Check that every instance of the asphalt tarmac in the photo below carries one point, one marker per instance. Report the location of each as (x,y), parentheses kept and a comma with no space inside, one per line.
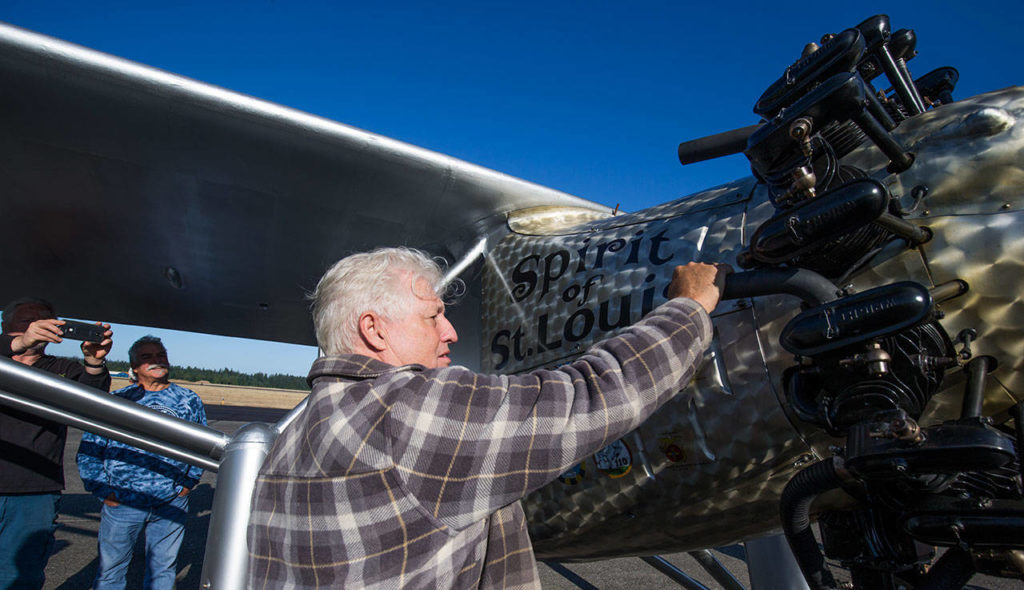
(73,564)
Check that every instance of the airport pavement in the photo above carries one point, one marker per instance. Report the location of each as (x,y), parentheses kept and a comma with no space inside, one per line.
(73,565)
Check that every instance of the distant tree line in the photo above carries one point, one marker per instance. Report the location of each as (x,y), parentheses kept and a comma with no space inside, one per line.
(226,376)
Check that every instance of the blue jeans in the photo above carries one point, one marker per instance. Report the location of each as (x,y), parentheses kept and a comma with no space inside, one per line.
(27,523)
(120,527)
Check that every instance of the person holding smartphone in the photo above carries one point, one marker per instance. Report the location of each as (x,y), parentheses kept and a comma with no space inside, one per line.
(32,457)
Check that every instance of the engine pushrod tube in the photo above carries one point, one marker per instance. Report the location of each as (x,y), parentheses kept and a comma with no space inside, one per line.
(69,402)
(949,290)
(806,284)
(900,160)
(914,234)
(901,81)
(974,391)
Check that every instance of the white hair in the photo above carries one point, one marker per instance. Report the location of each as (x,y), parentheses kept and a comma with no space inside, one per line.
(369,281)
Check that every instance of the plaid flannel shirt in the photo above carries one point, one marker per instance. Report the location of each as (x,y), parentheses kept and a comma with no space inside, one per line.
(403,477)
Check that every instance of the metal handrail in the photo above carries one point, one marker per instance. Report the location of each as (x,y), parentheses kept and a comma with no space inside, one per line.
(68,402)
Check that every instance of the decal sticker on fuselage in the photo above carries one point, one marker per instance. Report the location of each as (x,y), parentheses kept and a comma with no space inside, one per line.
(615,460)
(575,474)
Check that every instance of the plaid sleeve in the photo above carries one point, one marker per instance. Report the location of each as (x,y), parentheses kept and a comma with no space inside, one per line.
(471,443)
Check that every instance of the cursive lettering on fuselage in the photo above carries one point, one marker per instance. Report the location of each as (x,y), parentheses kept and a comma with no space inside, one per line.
(534,270)
(580,313)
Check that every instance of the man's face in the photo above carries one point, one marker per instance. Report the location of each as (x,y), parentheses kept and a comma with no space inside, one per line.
(422,336)
(152,363)
(23,316)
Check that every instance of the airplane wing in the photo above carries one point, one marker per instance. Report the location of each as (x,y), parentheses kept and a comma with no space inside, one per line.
(133,195)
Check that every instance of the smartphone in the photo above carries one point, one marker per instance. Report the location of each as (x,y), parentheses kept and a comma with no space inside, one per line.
(82,331)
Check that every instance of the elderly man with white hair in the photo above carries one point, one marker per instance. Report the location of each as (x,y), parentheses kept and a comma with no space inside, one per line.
(405,471)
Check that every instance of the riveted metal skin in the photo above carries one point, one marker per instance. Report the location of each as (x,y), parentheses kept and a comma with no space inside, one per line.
(709,467)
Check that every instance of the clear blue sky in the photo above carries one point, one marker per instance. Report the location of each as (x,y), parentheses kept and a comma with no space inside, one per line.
(588,97)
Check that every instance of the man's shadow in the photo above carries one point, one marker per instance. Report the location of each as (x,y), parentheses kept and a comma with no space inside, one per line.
(190,557)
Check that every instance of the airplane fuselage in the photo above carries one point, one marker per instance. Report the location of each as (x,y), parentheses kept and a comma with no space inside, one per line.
(709,467)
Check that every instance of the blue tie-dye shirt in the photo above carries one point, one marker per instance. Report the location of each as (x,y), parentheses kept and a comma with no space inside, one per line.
(139,478)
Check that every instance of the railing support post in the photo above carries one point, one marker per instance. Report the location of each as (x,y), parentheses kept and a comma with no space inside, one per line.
(226,561)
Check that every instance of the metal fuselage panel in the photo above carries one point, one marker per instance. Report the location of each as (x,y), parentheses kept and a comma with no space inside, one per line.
(969,155)
(971,158)
(721,450)
(709,467)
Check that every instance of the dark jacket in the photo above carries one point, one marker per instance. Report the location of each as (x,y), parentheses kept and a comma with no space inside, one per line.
(32,448)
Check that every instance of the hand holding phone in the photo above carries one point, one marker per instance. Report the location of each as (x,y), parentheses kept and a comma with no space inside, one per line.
(86,332)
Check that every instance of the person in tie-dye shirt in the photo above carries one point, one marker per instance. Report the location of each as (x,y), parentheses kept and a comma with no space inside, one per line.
(141,490)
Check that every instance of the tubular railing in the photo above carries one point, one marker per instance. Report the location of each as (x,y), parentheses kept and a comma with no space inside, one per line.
(236,459)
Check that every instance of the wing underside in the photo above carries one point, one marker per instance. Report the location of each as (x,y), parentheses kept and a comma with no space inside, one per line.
(136,196)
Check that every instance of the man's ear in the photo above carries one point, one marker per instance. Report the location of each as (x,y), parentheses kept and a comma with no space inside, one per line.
(371,330)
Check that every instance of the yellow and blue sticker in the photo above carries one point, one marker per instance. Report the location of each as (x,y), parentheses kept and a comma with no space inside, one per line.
(575,474)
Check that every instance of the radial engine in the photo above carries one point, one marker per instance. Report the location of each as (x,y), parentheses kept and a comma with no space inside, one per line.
(866,364)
